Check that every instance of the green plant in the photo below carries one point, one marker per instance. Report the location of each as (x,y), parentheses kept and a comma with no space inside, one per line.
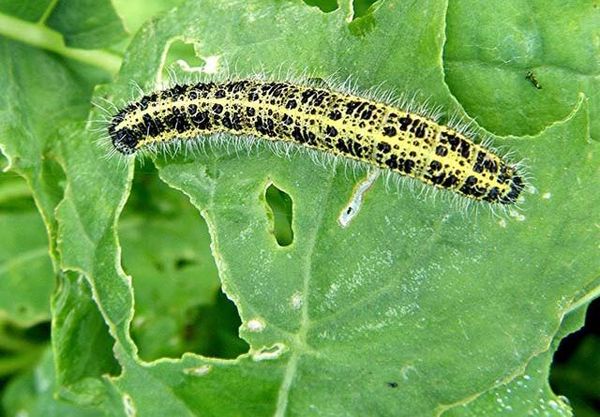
(415,309)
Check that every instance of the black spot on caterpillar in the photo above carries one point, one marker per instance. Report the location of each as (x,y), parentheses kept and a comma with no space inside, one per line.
(333,122)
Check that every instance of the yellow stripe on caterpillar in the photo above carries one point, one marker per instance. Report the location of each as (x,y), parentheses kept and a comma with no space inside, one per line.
(333,122)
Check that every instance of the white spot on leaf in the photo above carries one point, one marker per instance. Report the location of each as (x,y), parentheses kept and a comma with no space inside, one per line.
(407,370)
(256,325)
(198,370)
(269,353)
(516,215)
(296,301)
(129,406)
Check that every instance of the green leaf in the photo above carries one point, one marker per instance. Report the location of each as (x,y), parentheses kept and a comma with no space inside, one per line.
(135,12)
(40,95)
(33,115)
(420,312)
(26,276)
(81,343)
(87,24)
(29,10)
(529,392)
(415,308)
(32,394)
(527,69)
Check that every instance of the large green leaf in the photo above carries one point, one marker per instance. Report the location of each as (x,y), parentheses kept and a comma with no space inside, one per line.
(412,308)
(416,307)
(82,347)
(40,94)
(34,107)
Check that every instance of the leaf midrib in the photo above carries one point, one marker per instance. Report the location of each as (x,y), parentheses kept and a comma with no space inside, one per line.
(300,342)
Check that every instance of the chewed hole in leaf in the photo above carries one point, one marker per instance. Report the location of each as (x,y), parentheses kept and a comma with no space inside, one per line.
(180,58)
(166,249)
(572,372)
(326,6)
(39,333)
(15,194)
(363,20)
(213,329)
(20,348)
(361,7)
(280,211)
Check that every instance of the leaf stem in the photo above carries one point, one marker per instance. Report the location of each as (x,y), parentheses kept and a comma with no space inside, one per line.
(42,37)
(587,298)
(47,12)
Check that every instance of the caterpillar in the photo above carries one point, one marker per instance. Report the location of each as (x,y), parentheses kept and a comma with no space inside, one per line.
(333,122)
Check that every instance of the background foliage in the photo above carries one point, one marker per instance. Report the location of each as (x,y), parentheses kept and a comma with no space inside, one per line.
(415,309)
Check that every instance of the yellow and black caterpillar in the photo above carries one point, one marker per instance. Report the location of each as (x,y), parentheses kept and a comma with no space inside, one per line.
(337,123)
